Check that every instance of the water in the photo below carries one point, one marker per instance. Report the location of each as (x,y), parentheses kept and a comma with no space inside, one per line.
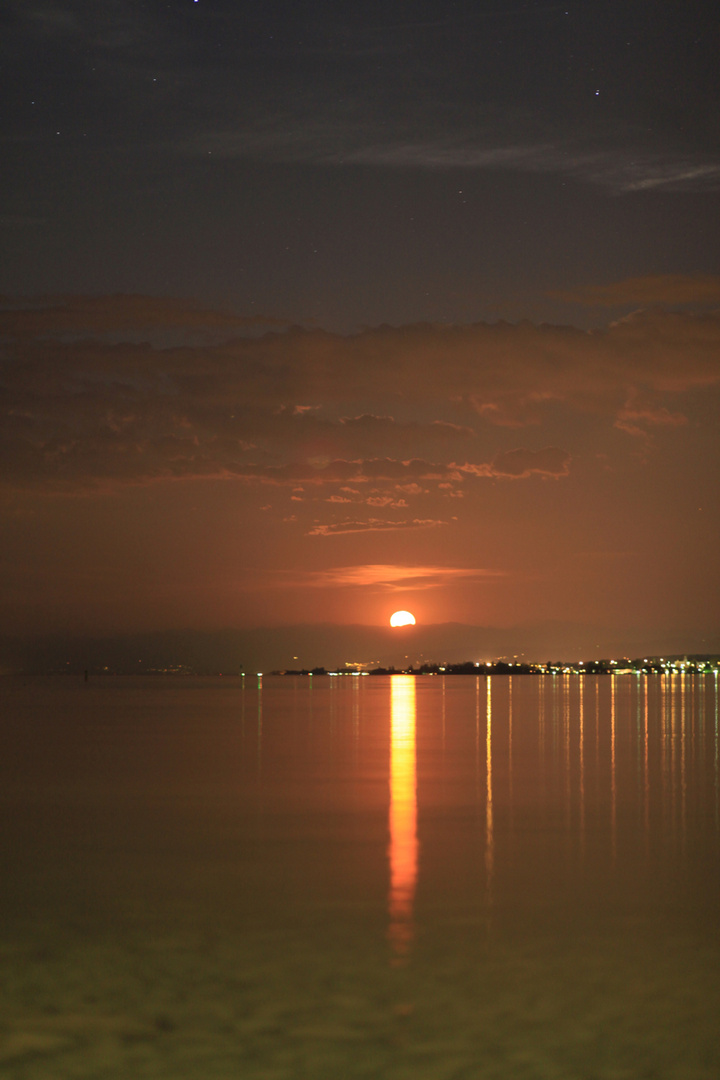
(360,877)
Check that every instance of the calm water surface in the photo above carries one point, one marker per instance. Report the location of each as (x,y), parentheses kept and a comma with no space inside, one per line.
(360,877)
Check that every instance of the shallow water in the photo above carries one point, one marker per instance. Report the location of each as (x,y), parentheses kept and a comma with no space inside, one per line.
(360,877)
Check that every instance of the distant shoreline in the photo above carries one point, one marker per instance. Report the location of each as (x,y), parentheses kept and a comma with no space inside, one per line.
(690,664)
(693,664)
(687,665)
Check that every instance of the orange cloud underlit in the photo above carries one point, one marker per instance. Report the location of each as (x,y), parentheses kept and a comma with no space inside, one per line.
(394,577)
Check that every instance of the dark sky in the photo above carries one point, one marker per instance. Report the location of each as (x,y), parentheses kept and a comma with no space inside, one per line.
(314,310)
(358,163)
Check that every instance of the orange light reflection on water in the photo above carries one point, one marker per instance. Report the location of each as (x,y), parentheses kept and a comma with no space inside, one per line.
(403,848)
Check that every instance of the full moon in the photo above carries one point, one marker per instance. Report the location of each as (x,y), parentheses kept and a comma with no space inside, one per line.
(402,618)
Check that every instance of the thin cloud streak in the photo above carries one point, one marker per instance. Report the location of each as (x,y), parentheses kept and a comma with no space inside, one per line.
(372,525)
(393,578)
(670,289)
(522,463)
(342,142)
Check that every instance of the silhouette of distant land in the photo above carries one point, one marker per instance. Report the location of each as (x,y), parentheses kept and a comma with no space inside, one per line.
(341,650)
(688,664)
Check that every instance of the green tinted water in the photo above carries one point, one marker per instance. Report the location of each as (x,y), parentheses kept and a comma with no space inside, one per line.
(360,877)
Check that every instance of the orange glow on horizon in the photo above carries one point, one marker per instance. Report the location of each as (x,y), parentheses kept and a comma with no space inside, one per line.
(403,849)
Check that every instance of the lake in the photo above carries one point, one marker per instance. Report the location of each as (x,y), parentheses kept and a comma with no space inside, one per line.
(392,877)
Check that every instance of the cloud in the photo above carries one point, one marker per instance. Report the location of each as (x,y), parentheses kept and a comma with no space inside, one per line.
(518,464)
(107,28)
(385,500)
(276,408)
(340,471)
(653,289)
(377,426)
(372,525)
(523,463)
(88,316)
(327,136)
(393,577)
(637,416)
(51,19)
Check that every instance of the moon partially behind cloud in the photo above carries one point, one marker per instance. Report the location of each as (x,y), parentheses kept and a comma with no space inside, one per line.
(402,618)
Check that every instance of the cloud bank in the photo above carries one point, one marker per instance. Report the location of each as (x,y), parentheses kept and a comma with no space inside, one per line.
(353,427)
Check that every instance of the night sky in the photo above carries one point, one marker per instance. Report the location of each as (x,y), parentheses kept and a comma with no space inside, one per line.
(312,311)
